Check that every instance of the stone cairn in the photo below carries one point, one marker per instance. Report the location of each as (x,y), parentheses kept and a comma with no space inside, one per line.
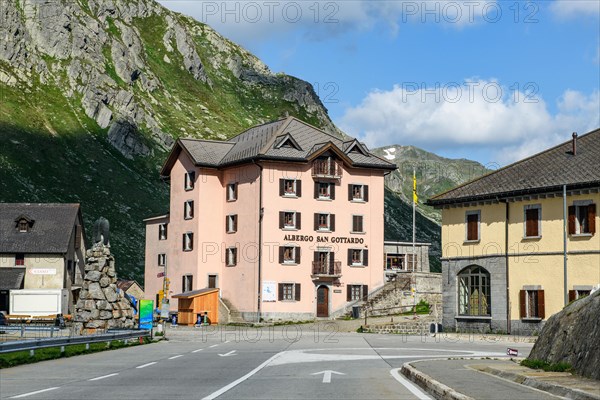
(101,306)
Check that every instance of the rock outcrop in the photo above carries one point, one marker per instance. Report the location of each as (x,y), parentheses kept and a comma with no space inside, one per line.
(101,305)
(573,336)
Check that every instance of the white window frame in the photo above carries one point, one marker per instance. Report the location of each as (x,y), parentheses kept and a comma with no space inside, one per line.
(293,259)
(328,227)
(467,214)
(292,291)
(285,224)
(187,286)
(231,260)
(578,204)
(188,181)
(294,192)
(360,262)
(162,231)
(189,241)
(532,207)
(362,192)
(188,210)
(231,191)
(231,224)
(328,196)
(352,293)
(162,260)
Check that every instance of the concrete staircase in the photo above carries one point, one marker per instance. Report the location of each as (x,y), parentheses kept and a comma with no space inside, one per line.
(235,317)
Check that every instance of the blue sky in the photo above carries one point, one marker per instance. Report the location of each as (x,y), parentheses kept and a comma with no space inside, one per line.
(493,81)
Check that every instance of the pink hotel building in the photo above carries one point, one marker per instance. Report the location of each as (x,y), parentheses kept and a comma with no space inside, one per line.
(285,219)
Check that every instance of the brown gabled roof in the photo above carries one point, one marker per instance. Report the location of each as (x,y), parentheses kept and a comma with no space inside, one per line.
(261,142)
(50,232)
(544,172)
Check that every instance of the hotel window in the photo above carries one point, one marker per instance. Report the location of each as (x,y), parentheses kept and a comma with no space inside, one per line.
(162,232)
(394,261)
(474,292)
(187,283)
(232,192)
(188,209)
(289,255)
(358,192)
(189,179)
(290,187)
(162,259)
(188,241)
(357,292)
(23,226)
(289,292)
(289,220)
(19,259)
(473,219)
(582,218)
(324,191)
(357,224)
(231,223)
(532,304)
(358,257)
(533,217)
(325,222)
(231,256)
(579,293)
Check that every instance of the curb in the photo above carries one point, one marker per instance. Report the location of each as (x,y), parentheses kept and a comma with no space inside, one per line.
(430,385)
(552,388)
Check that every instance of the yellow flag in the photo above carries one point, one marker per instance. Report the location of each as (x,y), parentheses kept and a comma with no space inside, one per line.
(415,197)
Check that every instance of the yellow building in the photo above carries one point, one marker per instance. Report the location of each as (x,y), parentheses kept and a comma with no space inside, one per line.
(515,249)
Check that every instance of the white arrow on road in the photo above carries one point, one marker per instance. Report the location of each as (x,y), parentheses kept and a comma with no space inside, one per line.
(228,354)
(327,375)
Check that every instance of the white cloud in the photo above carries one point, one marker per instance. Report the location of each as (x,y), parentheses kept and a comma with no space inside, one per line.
(480,114)
(575,8)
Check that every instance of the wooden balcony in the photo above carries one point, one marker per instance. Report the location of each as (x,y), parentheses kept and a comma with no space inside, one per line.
(329,169)
(323,270)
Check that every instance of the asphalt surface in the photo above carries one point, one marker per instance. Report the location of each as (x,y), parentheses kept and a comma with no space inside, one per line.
(293,362)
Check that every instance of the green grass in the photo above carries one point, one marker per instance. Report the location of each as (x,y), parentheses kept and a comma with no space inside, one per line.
(546,366)
(51,353)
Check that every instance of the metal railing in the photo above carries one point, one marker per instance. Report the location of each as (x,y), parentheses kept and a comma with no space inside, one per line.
(327,269)
(40,343)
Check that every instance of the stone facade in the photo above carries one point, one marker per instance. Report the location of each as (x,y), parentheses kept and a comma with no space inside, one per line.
(496,322)
(101,305)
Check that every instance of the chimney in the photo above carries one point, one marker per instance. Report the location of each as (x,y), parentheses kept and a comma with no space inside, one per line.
(574,143)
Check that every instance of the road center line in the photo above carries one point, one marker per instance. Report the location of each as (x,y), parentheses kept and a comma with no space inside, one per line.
(32,393)
(146,365)
(102,377)
(233,384)
(195,351)
(407,384)
(174,357)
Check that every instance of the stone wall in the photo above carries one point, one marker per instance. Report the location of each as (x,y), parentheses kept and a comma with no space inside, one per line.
(101,305)
(403,327)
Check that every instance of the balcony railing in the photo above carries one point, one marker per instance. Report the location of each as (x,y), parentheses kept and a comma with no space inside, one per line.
(327,169)
(327,269)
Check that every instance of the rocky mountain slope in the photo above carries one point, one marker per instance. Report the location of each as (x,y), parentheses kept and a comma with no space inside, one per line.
(435,174)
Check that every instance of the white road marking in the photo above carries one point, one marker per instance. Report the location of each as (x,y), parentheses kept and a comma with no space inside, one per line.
(231,353)
(146,365)
(228,341)
(174,357)
(233,384)
(195,351)
(409,385)
(214,345)
(102,377)
(327,375)
(32,393)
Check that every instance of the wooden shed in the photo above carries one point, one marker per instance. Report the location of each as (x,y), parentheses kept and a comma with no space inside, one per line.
(198,302)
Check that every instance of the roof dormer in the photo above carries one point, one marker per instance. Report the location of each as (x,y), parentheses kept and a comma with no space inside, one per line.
(354,146)
(23,223)
(287,141)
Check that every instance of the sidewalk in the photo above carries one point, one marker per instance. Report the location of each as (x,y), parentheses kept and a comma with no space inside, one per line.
(496,379)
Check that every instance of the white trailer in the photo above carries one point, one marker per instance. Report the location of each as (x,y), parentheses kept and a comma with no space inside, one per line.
(36,302)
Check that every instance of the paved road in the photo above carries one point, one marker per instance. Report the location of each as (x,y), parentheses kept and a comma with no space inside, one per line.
(293,362)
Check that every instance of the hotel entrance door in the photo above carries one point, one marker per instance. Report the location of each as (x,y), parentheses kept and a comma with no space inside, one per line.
(323,301)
